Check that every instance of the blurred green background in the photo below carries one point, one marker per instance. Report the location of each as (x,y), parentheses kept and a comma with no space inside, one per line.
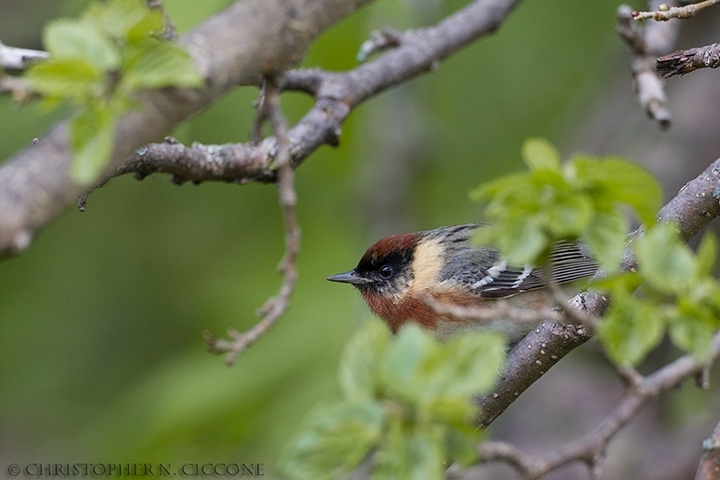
(101,353)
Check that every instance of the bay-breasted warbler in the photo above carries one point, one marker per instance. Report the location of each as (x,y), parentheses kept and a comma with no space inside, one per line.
(397,275)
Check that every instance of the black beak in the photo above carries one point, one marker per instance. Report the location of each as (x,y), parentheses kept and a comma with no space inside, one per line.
(351,277)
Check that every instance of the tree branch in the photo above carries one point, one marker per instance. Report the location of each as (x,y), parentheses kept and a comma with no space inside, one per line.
(691,209)
(590,447)
(686,61)
(528,360)
(646,44)
(249,39)
(663,13)
(13,58)
(336,94)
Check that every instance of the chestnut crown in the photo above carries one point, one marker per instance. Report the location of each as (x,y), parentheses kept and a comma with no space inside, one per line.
(385,266)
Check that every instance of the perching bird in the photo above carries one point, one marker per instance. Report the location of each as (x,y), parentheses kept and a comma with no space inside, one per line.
(397,273)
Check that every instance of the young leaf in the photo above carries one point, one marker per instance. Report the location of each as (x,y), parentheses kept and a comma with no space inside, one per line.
(692,334)
(401,369)
(151,24)
(71,78)
(523,241)
(466,365)
(620,180)
(119,17)
(605,236)
(91,138)
(666,263)
(505,187)
(462,445)
(410,454)
(539,154)
(705,256)
(359,363)
(333,440)
(73,40)
(569,215)
(630,329)
(152,63)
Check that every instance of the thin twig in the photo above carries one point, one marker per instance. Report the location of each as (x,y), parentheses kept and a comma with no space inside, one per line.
(379,40)
(13,58)
(665,12)
(169,33)
(630,377)
(276,306)
(590,447)
(686,61)
(646,44)
(17,87)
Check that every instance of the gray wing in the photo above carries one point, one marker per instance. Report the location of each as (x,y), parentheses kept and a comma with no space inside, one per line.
(568,262)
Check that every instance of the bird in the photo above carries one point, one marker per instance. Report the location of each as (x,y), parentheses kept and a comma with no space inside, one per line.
(397,275)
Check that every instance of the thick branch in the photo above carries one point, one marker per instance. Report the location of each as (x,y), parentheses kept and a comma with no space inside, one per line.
(237,46)
(696,203)
(534,355)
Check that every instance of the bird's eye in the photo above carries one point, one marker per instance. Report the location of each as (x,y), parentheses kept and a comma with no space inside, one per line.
(386,271)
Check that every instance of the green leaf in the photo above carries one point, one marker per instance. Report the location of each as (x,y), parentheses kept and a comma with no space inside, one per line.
(523,241)
(630,329)
(705,256)
(465,366)
(152,63)
(417,454)
(515,182)
(74,78)
(692,334)
(91,138)
(569,215)
(462,445)
(333,440)
(539,154)
(620,180)
(666,263)
(606,235)
(120,17)
(359,363)
(542,179)
(401,369)
(618,283)
(70,39)
(151,24)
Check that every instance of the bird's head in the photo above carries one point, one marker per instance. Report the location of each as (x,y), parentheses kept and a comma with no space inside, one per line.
(396,271)
(385,270)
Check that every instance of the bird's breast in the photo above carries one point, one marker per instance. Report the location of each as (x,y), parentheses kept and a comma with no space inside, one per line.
(414,307)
